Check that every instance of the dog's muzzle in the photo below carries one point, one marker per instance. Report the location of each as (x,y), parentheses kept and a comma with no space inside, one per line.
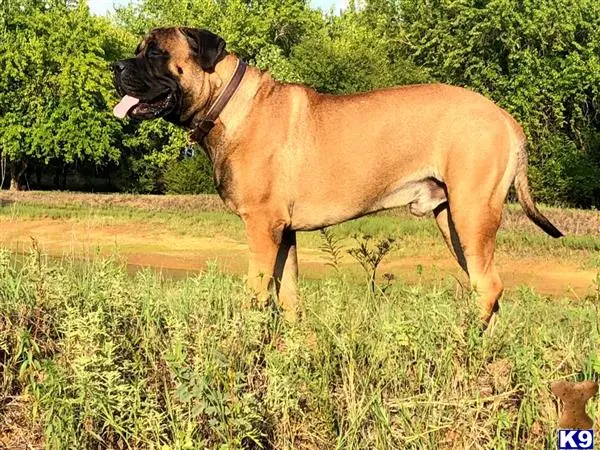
(141,100)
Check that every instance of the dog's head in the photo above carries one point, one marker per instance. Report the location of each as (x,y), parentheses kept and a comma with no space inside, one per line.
(168,77)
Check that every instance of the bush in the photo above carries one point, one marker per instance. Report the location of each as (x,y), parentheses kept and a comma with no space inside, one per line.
(140,175)
(189,176)
(561,174)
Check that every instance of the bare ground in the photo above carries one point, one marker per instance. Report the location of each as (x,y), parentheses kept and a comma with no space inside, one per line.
(148,245)
(570,221)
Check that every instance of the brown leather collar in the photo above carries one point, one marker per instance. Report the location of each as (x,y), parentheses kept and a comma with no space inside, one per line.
(206,124)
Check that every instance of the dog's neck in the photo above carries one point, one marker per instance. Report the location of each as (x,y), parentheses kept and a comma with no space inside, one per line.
(237,107)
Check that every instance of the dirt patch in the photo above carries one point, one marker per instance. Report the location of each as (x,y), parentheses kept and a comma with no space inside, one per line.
(147,245)
(573,222)
(548,276)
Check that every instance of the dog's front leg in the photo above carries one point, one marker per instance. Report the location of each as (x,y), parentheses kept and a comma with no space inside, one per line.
(286,275)
(264,240)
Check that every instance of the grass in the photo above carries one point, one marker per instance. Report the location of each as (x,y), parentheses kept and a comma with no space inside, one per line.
(92,358)
(201,224)
(516,237)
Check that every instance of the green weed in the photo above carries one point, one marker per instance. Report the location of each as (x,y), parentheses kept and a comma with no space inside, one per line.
(97,359)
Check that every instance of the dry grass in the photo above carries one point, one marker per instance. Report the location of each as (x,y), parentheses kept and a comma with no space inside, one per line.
(145,202)
(17,429)
(573,222)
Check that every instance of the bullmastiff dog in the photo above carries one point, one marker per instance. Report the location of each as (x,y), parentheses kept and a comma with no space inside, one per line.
(286,158)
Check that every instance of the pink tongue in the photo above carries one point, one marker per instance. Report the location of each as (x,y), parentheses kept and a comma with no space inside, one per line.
(124,106)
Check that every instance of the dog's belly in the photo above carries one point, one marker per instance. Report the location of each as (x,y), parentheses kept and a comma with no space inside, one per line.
(422,195)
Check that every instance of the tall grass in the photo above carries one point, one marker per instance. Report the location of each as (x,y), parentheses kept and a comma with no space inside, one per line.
(91,358)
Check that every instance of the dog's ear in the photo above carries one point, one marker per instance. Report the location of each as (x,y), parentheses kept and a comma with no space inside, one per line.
(209,48)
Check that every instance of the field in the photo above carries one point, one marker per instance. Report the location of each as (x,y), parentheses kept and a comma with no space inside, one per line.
(121,327)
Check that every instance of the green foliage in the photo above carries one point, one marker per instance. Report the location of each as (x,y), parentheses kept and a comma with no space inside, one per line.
(250,28)
(140,174)
(332,247)
(538,59)
(116,362)
(370,254)
(148,148)
(348,55)
(189,176)
(563,174)
(54,84)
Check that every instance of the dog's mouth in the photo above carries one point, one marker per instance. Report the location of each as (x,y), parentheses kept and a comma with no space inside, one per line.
(138,109)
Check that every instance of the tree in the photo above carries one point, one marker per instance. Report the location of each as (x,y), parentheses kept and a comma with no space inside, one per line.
(348,54)
(539,59)
(248,27)
(55,85)
(148,148)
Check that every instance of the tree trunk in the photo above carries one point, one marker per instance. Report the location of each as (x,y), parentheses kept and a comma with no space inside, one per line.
(14,185)
(15,175)
(3,165)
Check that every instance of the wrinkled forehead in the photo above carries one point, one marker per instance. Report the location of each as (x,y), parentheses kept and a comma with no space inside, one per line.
(170,40)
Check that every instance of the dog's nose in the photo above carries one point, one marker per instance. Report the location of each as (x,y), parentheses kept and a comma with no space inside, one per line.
(118,66)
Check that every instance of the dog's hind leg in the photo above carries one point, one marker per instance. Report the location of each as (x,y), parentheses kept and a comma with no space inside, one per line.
(473,213)
(286,275)
(475,225)
(469,222)
(446,225)
(470,235)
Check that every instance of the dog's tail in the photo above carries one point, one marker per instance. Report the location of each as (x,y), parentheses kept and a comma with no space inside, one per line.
(524,195)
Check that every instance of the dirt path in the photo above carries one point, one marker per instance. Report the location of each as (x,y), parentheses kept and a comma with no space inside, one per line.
(146,245)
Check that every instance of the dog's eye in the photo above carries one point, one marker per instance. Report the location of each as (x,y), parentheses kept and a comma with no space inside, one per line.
(154,53)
